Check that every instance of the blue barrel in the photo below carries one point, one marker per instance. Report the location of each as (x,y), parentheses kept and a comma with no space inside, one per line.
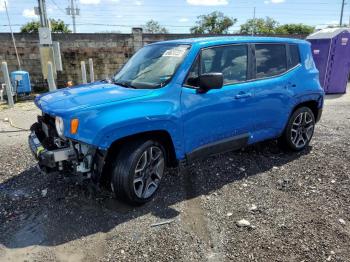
(21,82)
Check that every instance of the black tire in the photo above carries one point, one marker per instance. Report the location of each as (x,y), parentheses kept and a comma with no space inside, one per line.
(292,132)
(124,171)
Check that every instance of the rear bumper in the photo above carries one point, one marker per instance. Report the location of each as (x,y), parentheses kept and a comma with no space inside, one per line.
(49,158)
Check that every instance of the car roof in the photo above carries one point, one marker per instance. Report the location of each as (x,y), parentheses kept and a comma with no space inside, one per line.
(222,40)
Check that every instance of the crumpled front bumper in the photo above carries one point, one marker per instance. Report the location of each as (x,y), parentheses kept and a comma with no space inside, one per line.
(49,158)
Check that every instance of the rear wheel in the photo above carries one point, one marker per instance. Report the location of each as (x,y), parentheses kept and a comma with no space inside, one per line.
(299,130)
(137,171)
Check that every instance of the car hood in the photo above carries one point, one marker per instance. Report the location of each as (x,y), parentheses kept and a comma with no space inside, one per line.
(84,96)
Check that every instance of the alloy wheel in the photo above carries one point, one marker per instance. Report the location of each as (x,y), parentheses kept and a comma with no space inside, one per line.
(302,129)
(148,172)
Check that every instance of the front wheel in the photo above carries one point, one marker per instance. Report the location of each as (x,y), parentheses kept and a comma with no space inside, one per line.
(299,130)
(137,171)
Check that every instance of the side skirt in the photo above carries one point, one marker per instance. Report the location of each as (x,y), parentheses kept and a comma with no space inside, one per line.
(222,146)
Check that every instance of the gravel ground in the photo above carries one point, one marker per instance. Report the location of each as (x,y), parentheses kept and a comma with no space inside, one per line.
(256,204)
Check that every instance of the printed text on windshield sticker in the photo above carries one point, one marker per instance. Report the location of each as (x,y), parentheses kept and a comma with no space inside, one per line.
(178,52)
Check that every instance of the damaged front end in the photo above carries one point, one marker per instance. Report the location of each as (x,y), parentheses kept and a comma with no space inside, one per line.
(56,153)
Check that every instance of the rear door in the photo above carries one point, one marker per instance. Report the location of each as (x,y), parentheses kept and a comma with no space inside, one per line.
(220,116)
(272,96)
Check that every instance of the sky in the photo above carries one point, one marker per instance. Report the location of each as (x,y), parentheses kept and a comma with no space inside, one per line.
(176,15)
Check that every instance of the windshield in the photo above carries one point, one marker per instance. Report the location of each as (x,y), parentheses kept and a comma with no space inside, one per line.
(152,66)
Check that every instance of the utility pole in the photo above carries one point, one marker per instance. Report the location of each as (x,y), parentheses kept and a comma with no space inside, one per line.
(253,30)
(73,15)
(47,56)
(73,11)
(42,13)
(341,13)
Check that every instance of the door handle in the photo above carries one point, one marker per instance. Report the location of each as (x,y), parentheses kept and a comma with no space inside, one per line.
(243,95)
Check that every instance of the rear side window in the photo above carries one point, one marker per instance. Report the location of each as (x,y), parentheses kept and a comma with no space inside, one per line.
(294,56)
(271,60)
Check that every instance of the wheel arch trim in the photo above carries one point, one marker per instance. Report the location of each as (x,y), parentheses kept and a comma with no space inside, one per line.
(313,101)
(161,136)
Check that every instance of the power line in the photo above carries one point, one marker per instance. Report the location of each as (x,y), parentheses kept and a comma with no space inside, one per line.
(245,4)
(191,15)
(122,4)
(121,25)
(57,6)
(162,7)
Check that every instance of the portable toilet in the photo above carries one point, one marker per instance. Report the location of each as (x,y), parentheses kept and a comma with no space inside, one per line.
(20,82)
(331,53)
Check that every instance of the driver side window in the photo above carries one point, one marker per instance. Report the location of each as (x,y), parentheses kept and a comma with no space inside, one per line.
(230,60)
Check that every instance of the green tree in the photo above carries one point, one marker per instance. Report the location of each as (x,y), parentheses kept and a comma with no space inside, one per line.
(57,26)
(153,27)
(295,29)
(30,27)
(269,26)
(259,26)
(213,23)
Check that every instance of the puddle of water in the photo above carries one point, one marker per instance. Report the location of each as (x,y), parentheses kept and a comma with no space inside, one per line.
(32,232)
(14,194)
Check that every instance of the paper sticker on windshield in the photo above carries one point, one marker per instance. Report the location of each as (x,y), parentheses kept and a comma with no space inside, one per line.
(344,41)
(176,52)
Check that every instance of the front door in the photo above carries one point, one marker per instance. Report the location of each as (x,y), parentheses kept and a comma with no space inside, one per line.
(221,116)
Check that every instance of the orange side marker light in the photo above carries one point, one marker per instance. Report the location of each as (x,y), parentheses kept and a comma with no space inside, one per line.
(74,123)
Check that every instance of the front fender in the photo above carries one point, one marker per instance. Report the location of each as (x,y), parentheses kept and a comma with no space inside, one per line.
(115,132)
(102,127)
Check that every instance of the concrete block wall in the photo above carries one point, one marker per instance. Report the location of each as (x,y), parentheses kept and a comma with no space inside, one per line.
(108,51)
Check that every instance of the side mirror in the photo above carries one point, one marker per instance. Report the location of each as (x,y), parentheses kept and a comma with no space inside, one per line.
(210,81)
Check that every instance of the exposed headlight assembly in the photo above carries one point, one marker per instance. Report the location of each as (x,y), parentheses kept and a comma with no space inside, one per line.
(59,126)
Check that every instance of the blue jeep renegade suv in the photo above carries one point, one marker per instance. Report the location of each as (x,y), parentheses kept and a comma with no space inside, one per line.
(177,101)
